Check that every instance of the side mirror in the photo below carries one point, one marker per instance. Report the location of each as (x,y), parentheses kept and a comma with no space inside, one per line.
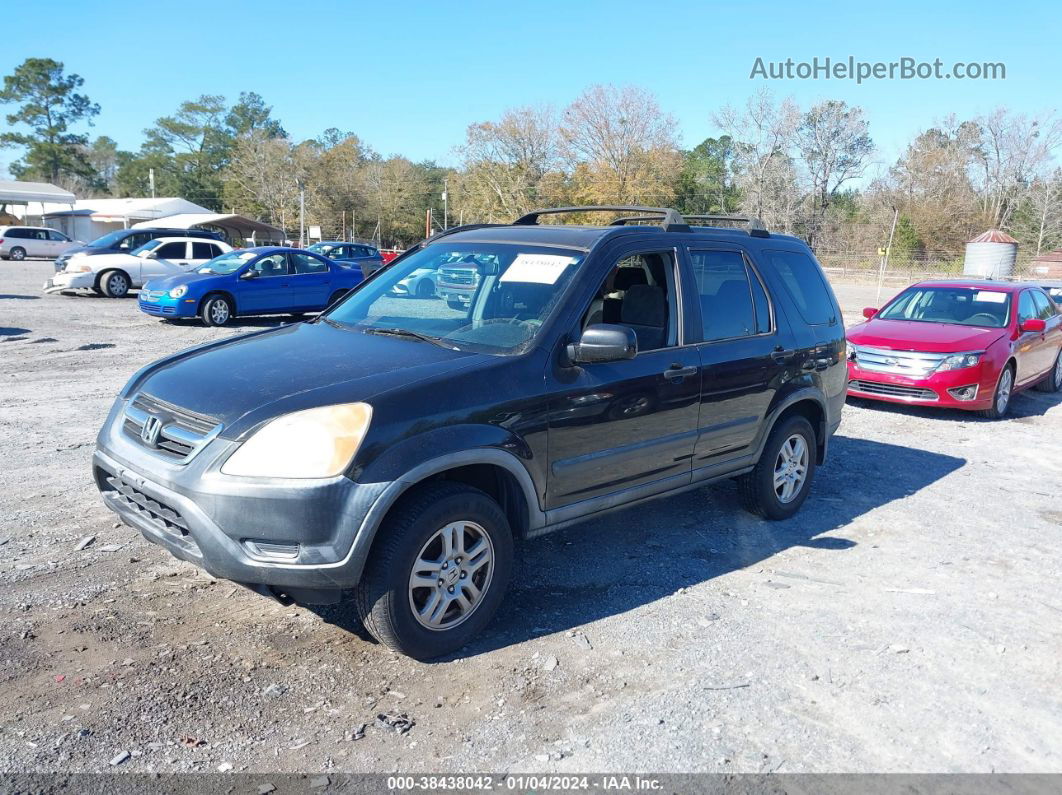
(869,311)
(1033,324)
(250,273)
(604,342)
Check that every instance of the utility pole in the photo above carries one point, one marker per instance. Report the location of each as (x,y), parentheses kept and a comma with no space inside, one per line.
(151,181)
(888,250)
(446,203)
(302,213)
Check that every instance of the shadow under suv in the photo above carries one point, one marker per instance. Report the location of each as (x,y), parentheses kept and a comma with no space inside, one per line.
(396,447)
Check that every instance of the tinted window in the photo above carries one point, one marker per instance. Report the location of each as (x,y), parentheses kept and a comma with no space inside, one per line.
(304,263)
(18,234)
(804,279)
(171,251)
(733,303)
(137,240)
(204,251)
(1045,310)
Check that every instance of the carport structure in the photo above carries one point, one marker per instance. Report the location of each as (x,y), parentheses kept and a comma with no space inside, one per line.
(235,227)
(13,192)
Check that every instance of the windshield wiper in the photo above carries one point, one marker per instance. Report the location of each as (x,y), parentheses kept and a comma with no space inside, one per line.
(414,335)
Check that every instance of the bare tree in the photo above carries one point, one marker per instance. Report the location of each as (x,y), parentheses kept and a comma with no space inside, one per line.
(835,147)
(764,135)
(621,146)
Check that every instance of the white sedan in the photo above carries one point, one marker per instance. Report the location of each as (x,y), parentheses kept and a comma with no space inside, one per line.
(115,275)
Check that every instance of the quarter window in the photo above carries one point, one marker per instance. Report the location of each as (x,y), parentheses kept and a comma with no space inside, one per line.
(804,279)
(733,302)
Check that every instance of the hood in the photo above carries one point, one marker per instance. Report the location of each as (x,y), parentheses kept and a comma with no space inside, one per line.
(80,248)
(249,379)
(111,258)
(908,335)
(190,278)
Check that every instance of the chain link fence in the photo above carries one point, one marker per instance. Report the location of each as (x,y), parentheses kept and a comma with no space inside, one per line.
(901,270)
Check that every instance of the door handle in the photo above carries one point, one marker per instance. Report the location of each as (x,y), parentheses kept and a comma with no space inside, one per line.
(677,372)
(782,355)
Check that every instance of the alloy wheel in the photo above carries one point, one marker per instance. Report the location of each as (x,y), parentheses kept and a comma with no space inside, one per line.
(1006,383)
(791,468)
(451,575)
(219,312)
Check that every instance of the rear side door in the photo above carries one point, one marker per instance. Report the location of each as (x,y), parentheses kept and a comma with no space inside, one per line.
(269,290)
(744,351)
(311,281)
(202,252)
(627,426)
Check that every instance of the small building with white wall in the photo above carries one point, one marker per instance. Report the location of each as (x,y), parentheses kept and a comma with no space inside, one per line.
(88,219)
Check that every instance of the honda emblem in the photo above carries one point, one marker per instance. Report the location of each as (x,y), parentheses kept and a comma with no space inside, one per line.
(149,434)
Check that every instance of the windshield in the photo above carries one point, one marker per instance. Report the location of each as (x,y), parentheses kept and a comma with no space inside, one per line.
(963,306)
(487,297)
(322,248)
(151,245)
(228,263)
(109,240)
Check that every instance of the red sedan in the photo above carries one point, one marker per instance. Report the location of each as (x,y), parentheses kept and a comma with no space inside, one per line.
(957,344)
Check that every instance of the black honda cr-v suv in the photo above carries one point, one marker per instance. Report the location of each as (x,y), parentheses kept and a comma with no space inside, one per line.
(396,446)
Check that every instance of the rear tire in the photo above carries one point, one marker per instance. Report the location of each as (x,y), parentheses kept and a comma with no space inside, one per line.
(411,542)
(115,284)
(215,311)
(1053,381)
(335,297)
(1001,398)
(779,483)
(18,254)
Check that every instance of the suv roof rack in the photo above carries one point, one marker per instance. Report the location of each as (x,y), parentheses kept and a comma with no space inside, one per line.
(754,226)
(670,220)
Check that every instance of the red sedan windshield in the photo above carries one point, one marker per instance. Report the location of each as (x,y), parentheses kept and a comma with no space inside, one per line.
(964,306)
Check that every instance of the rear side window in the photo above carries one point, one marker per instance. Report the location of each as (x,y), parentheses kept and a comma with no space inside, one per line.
(304,263)
(804,280)
(203,251)
(733,302)
(18,234)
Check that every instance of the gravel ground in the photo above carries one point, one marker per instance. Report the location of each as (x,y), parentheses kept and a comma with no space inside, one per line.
(908,619)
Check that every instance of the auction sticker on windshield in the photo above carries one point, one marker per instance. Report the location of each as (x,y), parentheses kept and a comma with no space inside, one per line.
(537,268)
(990,297)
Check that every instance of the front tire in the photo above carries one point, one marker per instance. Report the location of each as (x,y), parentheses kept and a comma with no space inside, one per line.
(1053,381)
(454,304)
(425,289)
(779,483)
(215,311)
(438,570)
(115,284)
(1002,396)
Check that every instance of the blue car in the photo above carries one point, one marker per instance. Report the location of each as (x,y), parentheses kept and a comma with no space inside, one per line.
(267,280)
(357,254)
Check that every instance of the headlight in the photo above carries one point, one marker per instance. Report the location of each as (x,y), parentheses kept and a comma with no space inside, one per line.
(957,361)
(316,443)
(78,267)
(177,292)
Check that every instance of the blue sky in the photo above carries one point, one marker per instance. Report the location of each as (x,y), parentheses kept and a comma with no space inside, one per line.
(408,77)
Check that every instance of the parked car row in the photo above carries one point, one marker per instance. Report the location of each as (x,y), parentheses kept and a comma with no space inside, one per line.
(194,273)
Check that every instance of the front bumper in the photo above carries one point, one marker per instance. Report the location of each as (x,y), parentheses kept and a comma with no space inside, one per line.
(291,535)
(160,304)
(64,280)
(930,391)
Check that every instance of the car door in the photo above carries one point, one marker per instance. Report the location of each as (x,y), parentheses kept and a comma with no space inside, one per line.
(59,243)
(629,425)
(169,259)
(311,281)
(269,290)
(1031,349)
(739,353)
(1046,311)
(202,252)
(39,245)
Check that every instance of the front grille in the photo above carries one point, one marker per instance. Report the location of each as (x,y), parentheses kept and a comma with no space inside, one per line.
(153,294)
(457,277)
(182,434)
(892,390)
(882,360)
(162,516)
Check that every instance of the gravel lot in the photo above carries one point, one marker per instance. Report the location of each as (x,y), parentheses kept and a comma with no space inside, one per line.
(909,619)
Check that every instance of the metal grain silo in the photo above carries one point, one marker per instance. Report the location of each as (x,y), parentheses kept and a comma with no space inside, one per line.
(991,255)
